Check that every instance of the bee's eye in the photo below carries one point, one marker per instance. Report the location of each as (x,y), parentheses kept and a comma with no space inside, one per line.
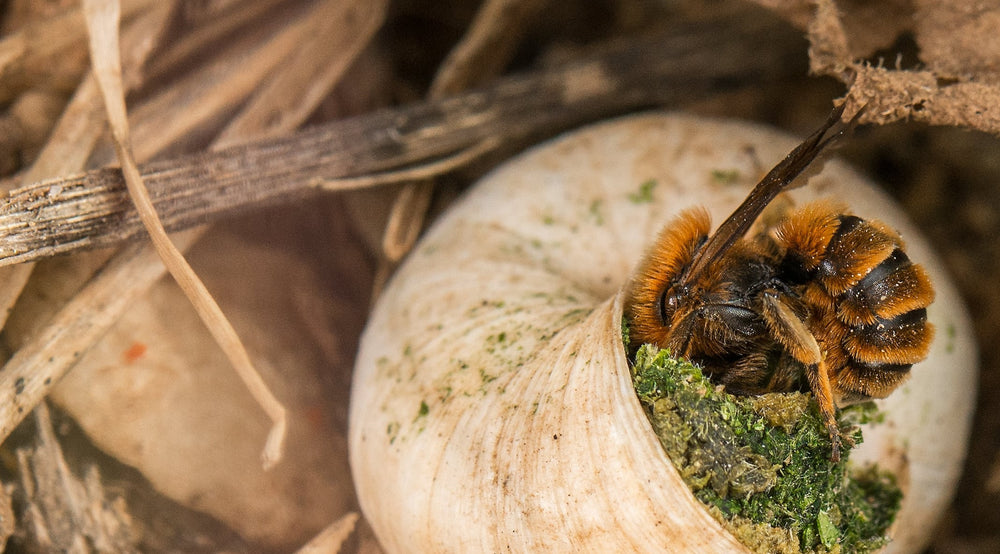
(669,303)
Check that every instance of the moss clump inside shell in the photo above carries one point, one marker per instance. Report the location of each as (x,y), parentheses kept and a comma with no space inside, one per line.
(762,464)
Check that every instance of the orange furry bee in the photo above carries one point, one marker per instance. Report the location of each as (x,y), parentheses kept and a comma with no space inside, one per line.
(825,302)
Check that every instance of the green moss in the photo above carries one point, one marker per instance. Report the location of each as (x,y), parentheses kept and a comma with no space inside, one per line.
(763,463)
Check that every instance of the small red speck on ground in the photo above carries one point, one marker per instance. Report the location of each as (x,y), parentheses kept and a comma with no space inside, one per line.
(134,352)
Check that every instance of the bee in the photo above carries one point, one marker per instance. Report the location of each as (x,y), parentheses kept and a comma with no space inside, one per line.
(823,301)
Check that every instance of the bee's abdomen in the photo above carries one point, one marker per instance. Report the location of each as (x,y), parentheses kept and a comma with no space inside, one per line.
(868,299)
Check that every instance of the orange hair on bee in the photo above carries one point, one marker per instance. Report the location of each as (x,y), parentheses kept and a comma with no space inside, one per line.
(663,263)
(808,231)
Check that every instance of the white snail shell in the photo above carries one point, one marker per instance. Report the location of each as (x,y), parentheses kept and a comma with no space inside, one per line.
(492,408)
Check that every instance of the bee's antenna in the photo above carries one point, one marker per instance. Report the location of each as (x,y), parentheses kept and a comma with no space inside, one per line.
(776,181)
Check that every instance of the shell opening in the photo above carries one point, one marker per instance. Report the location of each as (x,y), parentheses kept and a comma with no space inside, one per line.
(761,463)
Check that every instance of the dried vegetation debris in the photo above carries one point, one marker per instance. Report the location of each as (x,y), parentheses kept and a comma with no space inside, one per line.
(63,512)
(160,426)
(957,79)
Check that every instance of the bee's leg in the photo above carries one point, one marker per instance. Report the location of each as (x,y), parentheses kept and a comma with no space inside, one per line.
(788,328)
(819,382)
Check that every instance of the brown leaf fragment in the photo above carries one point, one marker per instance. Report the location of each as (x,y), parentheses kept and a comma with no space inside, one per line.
(958,82)
(960,39)
(868,26)
(890,95)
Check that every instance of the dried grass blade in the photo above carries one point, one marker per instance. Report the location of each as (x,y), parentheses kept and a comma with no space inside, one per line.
(486,47)
(309,69)
(482,53)
(215,90)
(332,538)
(76,133)
(211,23)
(102,21)
(45,51)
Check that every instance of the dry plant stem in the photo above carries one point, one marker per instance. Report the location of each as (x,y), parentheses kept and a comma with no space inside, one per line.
(75,135)
(69,512)
(209,32)
(406,219)
(83,120)
(482,53)
(331,539)
(102,20)
(421,172)
(36,54)
(92,210)
(76,132)
(219,88)
(12,281)
(487,46)
(310,63)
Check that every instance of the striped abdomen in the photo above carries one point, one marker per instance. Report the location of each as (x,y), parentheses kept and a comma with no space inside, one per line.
(868,300)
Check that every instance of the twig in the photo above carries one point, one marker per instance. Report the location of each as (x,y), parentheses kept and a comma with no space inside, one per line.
(92,210)
(332,538)
(103,18)
(416,173)
(76,132)
(66,512)
(482,53)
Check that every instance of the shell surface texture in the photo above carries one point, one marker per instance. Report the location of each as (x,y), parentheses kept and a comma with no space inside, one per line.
(493,407)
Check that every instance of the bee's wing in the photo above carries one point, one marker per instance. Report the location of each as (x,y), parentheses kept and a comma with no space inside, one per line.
(776,180)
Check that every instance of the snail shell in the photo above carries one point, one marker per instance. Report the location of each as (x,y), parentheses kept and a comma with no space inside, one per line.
(493,408)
